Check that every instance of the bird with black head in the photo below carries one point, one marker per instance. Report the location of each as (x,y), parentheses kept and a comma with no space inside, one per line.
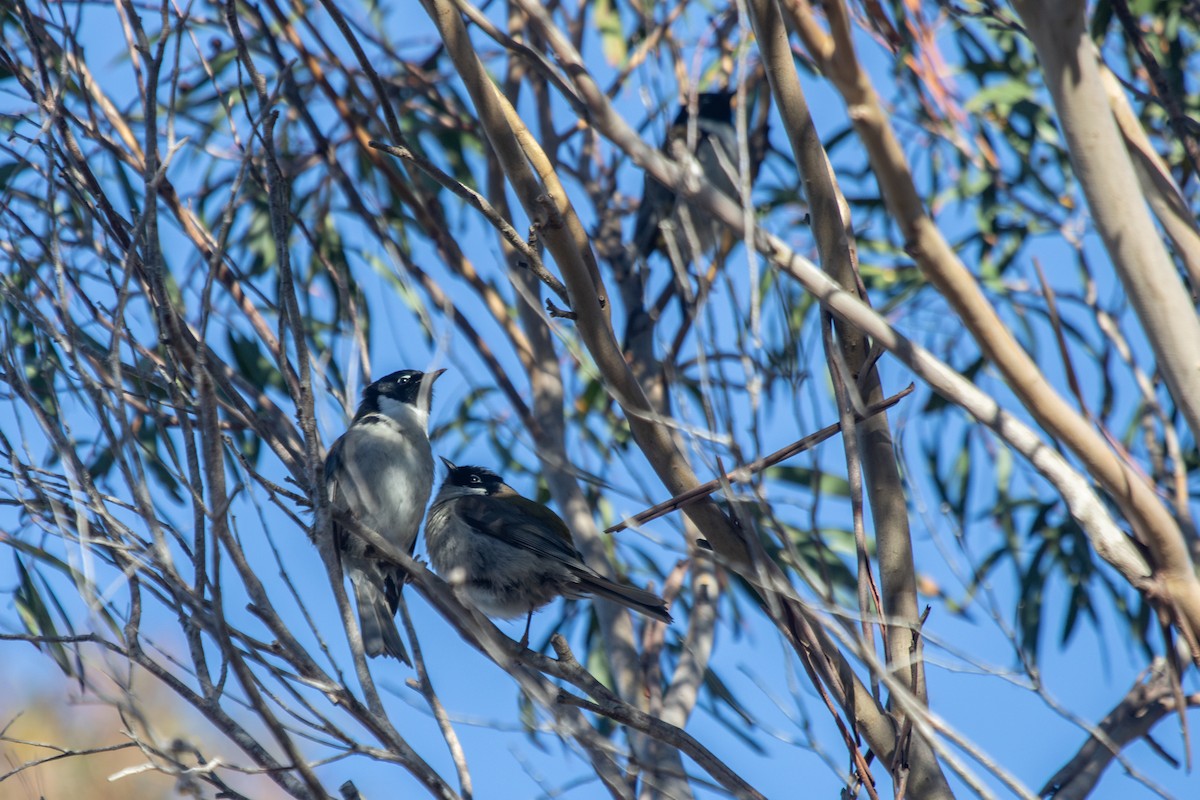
(661,213)
(511,555)
(380,472)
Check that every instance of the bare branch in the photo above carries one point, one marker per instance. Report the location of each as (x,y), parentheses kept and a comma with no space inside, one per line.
(745,472)
(1142,707)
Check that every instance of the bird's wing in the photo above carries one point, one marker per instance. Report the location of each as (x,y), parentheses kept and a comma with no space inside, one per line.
(717,153)
(337,498)
(522,523)
(658,201)
(657,204)
(332,460)
(508,522)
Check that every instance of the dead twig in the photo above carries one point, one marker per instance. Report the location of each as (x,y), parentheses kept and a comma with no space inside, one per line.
(742,474)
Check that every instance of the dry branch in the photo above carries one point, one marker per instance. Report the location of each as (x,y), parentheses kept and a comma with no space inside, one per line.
(745,472)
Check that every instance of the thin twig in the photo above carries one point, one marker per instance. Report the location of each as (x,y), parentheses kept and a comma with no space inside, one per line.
(481,204)
(743,473)
(425,686)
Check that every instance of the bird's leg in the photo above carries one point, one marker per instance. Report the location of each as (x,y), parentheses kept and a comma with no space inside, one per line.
(525,636)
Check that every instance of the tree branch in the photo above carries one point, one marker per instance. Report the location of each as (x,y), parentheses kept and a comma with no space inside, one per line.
(1142,707)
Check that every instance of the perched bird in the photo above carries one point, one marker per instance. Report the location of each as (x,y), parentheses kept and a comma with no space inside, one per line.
(716,152)
(512,555)
(380,471)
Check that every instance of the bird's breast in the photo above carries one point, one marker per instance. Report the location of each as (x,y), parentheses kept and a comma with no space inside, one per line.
(386,478)
(504,580)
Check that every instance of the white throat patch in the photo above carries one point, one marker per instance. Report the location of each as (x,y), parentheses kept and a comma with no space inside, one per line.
(404,414)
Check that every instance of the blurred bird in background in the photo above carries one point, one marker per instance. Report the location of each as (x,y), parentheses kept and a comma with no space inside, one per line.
(512,555)
(716,151)
(679,231)
(380,472)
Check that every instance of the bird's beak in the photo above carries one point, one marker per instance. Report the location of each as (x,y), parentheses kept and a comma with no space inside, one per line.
(449,464)
(425,393)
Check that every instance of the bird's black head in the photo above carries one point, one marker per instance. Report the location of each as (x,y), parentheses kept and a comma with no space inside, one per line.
(478,480)
(407,386)
(713,106)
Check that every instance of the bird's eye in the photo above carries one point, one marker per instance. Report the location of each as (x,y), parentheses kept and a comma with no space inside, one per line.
(476,479)
(403,379)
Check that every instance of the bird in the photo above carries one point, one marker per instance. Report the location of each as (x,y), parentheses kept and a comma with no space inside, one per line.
(380,472)
(716,151)
(511,555)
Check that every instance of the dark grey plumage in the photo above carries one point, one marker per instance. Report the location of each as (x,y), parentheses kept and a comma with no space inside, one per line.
(512,555)
(716,152)
(380,471)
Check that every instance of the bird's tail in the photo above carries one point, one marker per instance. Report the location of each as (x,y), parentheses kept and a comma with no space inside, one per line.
(639,600)
(376,617)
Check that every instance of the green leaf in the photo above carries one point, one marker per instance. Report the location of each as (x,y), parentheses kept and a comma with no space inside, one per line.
(10,170)
(719,696)
(528,715)
(35,614)
(612,37)
(825,483)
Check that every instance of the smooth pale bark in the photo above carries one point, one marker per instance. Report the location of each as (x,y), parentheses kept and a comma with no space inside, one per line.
(1126,486)
(1107,177)
(1131,720)
(830,215)
(1162,303)
(589,301)
(1162,192)
(831,229)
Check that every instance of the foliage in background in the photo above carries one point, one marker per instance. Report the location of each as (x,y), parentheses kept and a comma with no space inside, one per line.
(212,250)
